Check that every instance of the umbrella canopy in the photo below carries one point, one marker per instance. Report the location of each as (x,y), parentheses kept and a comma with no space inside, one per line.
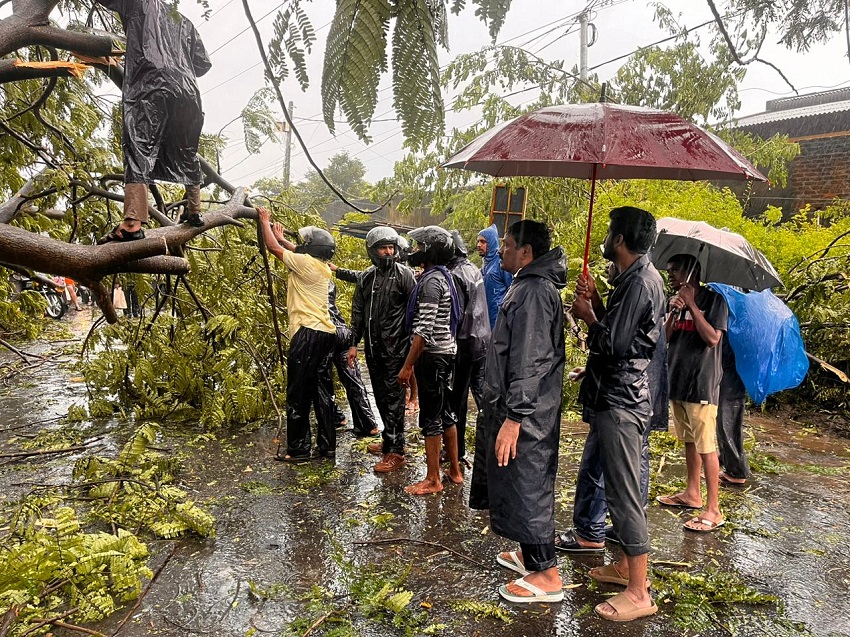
(724,257)
(603,141)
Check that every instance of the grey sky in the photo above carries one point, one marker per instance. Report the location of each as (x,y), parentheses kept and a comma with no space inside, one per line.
(622,27)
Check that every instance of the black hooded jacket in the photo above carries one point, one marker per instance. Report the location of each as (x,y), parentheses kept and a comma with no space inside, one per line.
(623,341)
(473,333)
(523,381)
(378,309)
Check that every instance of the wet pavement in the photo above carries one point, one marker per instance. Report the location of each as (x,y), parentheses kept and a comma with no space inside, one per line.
(286,560)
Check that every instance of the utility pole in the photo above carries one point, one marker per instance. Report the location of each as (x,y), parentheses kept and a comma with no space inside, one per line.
(582,59)
(287,151)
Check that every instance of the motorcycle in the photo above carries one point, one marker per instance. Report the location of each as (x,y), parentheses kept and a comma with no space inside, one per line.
(56,303)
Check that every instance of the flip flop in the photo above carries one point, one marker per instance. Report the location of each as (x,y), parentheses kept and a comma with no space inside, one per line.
(289,458)
(608,574)
(626,609)
(705,522)
(537,594)
(675,501)
(725,479)
(513,562)
(568,543)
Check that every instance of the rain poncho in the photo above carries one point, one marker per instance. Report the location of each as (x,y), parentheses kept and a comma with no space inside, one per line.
(161,100)
(764,334)
(523,380)
(496,280)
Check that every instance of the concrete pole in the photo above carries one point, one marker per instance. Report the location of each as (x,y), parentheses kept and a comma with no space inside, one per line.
(582,65)
(287,151)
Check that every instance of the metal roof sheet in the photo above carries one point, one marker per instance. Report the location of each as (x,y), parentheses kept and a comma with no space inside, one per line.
(793,113)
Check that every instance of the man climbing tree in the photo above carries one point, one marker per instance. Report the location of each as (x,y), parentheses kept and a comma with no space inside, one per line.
(162,113)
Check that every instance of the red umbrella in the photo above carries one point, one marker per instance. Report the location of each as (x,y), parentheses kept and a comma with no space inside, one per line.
(602,141)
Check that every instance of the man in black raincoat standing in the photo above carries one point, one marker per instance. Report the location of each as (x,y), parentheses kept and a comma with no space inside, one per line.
(523,381)
(161,106)
(378,316)
(622,337)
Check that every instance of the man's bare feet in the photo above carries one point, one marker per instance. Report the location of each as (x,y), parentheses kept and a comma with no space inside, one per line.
(457,478)
(725,478)
(425,487)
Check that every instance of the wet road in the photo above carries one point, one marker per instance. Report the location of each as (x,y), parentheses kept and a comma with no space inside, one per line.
(284,530)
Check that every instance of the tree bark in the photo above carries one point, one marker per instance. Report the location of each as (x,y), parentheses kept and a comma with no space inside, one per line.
(29,25)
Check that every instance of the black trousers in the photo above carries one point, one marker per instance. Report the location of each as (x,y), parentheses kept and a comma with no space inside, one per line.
(363,419)
(389,397)
(620,434)
(306,368)
(730,427)
(434,378)
(538,557)
(468,375)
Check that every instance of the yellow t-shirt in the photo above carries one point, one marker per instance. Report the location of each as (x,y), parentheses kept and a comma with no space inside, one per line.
(307,293)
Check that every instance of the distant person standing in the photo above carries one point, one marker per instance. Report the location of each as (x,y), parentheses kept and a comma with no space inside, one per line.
(730,422)
(496,279)
(523,381)
(473,334)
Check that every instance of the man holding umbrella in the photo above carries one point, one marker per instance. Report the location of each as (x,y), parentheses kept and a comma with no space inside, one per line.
(622,336)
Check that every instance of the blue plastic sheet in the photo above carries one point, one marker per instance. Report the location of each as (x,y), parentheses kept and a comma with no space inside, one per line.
(765,336)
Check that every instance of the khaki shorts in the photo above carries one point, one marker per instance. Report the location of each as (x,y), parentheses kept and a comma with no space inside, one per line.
(696,423)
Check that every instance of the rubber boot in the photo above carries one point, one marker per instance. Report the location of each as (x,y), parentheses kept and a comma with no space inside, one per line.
(192,213)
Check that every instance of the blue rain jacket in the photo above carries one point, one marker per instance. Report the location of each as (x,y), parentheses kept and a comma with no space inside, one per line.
(496,280)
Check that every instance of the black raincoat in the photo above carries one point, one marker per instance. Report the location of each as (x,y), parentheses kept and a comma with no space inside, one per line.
(160,97)
(473,333)
(378,309)
(523,381)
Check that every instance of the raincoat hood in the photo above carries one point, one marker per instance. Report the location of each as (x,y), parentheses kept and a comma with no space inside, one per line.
(491,234)
(552,266)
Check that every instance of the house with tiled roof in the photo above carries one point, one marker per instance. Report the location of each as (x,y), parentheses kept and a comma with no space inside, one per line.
(820,124)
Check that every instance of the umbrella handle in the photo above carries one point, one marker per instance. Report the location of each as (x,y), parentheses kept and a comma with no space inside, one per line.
(589,222)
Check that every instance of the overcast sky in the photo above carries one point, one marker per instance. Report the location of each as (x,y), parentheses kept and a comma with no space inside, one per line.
(622,27)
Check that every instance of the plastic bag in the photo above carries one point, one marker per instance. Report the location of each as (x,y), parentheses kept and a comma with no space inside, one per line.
(765,336)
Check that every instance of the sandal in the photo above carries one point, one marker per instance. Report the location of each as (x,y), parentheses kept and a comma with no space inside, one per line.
(537,594)
(193,219)
(512,562)
(626,610)
(608,574)
(704,525)
(675,501)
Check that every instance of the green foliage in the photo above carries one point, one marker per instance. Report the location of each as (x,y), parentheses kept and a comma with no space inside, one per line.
(56,559)
(134,491)
(293,38)
(355,57)
(480,609)
(21,316)
(373,594)
(698,598)
(416,75)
